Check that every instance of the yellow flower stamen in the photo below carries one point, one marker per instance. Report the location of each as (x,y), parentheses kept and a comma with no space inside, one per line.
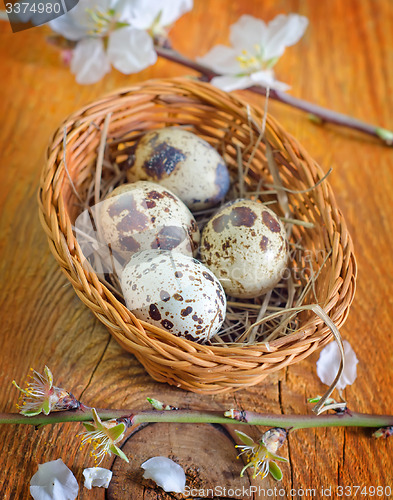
(260,455)
(251,62)
(104,21)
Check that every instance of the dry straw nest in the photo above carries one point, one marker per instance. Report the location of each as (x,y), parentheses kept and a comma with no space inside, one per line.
(325,254)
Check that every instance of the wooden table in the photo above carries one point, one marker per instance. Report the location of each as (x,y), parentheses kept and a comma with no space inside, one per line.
(344,62)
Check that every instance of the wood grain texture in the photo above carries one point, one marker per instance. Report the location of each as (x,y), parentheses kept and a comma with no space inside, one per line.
(345,62)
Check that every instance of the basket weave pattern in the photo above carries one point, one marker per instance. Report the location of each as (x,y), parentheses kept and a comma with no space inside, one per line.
(228,124)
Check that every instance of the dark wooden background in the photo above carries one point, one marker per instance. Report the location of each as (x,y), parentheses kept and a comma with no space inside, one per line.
(344,62)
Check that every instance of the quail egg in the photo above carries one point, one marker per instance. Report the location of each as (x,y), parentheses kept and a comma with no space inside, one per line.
(245,246)
(184,163)
(175,292)
(144,215)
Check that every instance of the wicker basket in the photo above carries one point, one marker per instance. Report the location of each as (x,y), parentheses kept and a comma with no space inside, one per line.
(228,123)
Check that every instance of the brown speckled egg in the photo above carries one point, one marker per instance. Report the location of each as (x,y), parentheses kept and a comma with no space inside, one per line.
(245,246)
(144,216)
(175,292)
(184,163)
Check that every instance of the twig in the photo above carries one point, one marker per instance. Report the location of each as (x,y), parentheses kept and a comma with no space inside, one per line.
(100,158)
(298,222)
(318,114)
(66,167)
(348,419)
(275,173)
(261,313)
(301,191)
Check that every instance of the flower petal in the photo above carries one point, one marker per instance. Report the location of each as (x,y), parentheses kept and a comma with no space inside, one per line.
(54,481)
(116,433)
(78,22)
(96,418)
(89,427)
(46,406)
(229,83)
(283,31)
(329,363)
(146,12)
(171,11)
(247,32)
(266,79)
(68,27)
(221,59)
(89,61)
(97,476)
(124,10)
(275,471)
(244,438)
(117,451)
(166,473)
(49,376)
(31,413)
(273,456)
(131,50)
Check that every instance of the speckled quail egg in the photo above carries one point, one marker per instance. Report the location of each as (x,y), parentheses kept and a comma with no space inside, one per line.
(245,246)
(184,163)
(175,292)
(144,215)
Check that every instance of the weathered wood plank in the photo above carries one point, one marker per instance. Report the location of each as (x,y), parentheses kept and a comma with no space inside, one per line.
(344,62)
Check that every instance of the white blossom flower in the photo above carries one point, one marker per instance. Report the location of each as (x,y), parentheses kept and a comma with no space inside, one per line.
(103,436)
(329,363)
(41,395)
(97,476)
(262,456)
(89,61)
(256,47)
(166,473)
(156,16)
(129,49)
(91,18)
(54,481)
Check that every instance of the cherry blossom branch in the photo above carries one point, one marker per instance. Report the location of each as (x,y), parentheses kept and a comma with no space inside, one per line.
(106,428)
(317,113)
(59,405)
(84,414)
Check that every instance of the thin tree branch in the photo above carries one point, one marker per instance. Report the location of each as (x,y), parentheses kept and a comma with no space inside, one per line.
(317,113)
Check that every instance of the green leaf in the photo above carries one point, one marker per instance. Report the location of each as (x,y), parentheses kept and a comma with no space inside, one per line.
(275,471)
(49,376)
(273,456)
(157,405)
(117,451)
(96,418)
(314,400)
(245,439)
(385,135)
(328,401)
(30,413)
(89,427)
(115,433)
(318,120)
(46,406)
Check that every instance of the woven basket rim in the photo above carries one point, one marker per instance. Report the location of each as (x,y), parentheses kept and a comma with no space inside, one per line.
(57,224)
